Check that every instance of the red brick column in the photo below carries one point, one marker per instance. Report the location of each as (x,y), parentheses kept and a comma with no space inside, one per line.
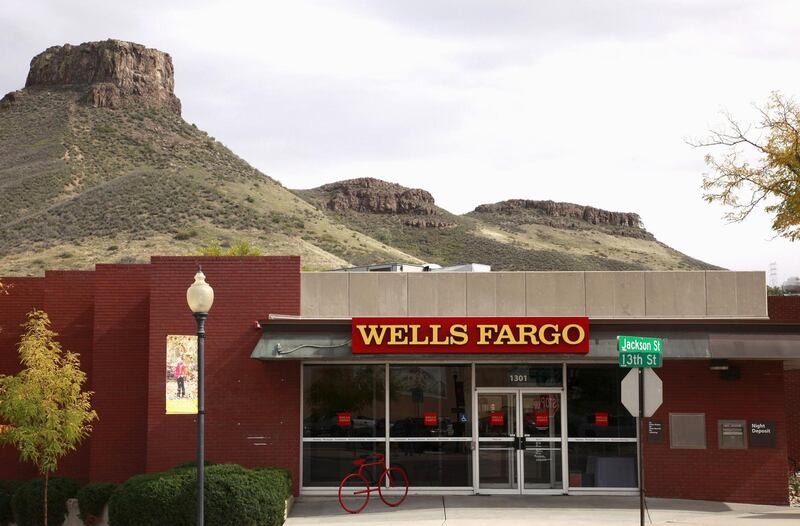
(24,295)
(119,371)
(245,398)
(69,302)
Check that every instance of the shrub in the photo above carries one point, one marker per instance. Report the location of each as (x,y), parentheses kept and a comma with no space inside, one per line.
(149,499)
(191,464)
(7,489)
(186,233)
(236,495)
(27,501)
(233,495)
(92,498)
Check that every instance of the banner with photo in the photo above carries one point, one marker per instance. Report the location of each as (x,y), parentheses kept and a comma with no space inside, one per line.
(181,375)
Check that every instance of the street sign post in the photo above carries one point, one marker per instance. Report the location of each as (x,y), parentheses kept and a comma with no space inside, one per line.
(642,353)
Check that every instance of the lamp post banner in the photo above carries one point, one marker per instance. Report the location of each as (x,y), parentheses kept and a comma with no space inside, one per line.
(455,335)
(181,379)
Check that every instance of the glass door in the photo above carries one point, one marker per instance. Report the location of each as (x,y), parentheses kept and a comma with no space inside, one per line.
(519,440)
(497,442)
(541,449)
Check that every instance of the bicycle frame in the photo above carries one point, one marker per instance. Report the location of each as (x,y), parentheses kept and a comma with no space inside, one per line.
(384,483)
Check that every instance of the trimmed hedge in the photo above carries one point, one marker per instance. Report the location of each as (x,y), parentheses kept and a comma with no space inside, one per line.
(92,498)
(7,489)
(149,499)
(191,464)
(27,501)
(236,495)
(233,495)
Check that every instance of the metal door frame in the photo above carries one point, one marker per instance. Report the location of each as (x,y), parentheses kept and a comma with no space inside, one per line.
(520,473)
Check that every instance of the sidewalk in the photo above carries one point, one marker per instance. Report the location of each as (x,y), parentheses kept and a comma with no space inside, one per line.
(519,510)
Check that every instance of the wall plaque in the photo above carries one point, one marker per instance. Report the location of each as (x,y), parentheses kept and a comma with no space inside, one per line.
(762,433)
(655,431)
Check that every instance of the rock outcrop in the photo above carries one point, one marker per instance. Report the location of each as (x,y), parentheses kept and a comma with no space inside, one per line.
(594,216)
(112,72)
(515,212)
(374,196)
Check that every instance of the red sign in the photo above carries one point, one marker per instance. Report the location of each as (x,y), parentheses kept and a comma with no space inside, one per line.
(343,419)
(430,419)
(497,419)
(470,335)
(542,419)
(601,419)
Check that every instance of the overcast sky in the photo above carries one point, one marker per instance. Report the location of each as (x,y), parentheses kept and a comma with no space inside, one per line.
(476,101)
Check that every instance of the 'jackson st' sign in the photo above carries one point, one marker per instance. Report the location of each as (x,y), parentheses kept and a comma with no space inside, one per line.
(471,335)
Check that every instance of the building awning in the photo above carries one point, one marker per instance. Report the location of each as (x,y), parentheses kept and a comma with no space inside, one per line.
(296,338)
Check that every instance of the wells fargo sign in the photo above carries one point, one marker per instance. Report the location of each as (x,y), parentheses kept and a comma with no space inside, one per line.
(470,335)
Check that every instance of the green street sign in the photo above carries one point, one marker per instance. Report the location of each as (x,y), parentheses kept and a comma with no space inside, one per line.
(639,344)
(639,359)
(637,351)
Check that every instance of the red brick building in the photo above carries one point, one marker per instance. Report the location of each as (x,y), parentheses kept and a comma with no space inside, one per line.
(284,386)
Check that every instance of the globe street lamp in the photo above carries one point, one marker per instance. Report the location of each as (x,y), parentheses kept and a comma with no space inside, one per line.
(200,296)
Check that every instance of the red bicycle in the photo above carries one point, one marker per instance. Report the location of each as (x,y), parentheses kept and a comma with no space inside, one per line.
(354,490)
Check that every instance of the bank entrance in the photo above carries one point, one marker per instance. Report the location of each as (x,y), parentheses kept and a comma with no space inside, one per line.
(521,446)
(470,427)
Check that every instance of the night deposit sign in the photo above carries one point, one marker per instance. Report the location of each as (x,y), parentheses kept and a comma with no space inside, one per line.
(470,335)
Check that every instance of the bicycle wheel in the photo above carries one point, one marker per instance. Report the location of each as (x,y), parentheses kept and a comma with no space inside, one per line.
(354,493)
(395,493)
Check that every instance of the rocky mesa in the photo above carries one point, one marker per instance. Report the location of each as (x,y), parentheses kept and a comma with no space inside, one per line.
(110,74)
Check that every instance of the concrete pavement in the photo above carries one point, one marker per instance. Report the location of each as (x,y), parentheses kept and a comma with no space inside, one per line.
(516,510)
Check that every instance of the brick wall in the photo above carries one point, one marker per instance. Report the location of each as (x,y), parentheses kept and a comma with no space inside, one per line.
(119,371)
(792,391)
(118,318)
(244,397)
(24,295)
(784,308)
(756,475)
(69,302)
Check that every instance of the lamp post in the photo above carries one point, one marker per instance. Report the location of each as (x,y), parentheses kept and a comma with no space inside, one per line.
(200,296)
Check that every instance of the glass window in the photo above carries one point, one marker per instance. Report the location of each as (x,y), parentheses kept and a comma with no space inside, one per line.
(434,464)
(602,465)
(430,401)
(525,375)
(594,403)
(344,401)
(327,463)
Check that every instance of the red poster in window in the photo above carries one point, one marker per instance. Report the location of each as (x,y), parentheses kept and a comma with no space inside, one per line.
(430,419)
(542,418)
(343,419)
(497,419)
(601,419)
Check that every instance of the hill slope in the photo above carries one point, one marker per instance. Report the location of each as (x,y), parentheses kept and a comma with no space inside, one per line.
(88,178)
(97,165)
(512,235)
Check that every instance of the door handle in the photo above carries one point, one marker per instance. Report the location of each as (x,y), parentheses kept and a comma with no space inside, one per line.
(519,443)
